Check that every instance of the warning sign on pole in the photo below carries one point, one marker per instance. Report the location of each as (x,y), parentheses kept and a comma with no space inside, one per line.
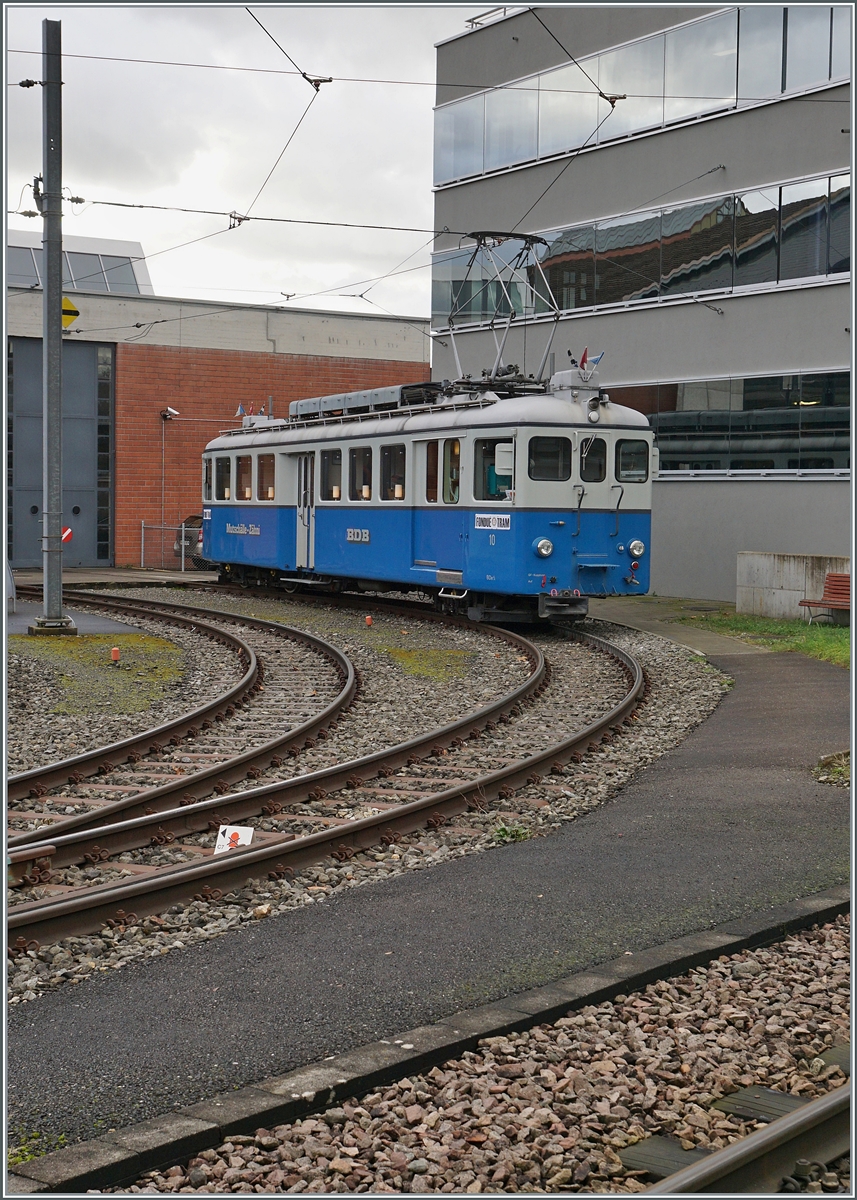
(69,312)
(66,534)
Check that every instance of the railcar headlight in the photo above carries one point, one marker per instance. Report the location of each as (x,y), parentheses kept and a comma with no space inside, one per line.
(637,548)
(544,547)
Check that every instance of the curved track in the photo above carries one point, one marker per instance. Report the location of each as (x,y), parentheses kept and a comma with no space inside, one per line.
(441,792)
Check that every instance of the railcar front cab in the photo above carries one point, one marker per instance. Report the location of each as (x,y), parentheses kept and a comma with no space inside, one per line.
(504,510)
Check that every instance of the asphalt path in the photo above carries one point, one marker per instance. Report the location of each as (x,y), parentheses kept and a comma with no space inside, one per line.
(731,822)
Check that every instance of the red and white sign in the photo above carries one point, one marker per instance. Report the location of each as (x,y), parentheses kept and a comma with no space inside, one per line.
(66,534)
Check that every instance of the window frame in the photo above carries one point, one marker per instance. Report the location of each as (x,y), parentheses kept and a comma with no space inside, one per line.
(366,456)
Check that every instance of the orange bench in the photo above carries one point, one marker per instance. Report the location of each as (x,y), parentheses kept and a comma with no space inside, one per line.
(837,595)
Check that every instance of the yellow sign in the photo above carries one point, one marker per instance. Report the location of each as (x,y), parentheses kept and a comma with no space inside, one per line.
(69,313)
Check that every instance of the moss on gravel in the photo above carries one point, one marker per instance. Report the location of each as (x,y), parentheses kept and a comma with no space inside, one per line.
(88,679)
(440,665)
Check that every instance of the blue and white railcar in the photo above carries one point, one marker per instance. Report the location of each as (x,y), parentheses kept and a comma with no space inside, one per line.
(506,503)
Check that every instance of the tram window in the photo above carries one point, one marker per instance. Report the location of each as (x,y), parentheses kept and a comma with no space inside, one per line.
(632,461)
(593,459)
(492,468)
(331,474)
(431,472)
(206,478)
(550,458)
(393,472)
(360,473)
(243,477)
(265,477)
(223,478)
(451,470)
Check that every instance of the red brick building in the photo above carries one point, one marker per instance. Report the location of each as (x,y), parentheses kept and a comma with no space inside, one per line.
(128,357)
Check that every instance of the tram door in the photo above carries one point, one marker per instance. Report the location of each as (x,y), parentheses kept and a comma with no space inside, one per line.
(305,555)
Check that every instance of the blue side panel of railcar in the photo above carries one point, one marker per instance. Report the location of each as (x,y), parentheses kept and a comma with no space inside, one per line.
(251,535)
(494,551)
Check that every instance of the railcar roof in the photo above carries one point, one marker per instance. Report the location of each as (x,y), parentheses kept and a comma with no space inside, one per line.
(551,410)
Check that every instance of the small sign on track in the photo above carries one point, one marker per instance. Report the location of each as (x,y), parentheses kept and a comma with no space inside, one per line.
(230,837)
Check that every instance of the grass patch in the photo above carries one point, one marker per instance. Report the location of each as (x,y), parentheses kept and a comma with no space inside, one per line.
(89,681)
(835,769)
(830,643)
(441,665)
(30,1146)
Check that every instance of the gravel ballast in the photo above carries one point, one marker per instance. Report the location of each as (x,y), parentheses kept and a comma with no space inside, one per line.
(549,1109)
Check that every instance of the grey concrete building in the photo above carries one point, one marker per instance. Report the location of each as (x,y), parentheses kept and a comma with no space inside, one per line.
(688,169)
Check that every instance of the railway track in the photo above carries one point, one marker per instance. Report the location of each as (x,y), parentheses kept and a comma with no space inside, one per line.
(783,1152)
(338,810)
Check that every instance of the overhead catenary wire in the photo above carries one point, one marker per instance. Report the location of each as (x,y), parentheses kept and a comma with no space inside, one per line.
(427,83)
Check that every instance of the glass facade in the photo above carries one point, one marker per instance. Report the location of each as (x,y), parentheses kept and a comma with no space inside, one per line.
(80,272)
(734,58)
(764,237)
(768,423)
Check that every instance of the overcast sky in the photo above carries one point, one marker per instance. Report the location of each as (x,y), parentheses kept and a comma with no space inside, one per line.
(201,138)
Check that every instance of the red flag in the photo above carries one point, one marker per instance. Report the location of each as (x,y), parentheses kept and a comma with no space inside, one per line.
(583,357)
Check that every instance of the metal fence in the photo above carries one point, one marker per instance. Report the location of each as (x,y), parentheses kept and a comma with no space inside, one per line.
(169,547)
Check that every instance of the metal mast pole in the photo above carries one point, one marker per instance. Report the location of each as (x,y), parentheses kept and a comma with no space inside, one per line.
(53,620)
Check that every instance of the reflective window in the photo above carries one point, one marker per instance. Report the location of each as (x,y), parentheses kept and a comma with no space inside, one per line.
(839,254)
(803,229)
(493,468)
(88,275)
(635,71)
(206,479)
(756,219)
(628,259)
(244,477)
(549,458)
(840,51)
(760,58)
(431,472)
(120,274)
(569,266)
(807,46)
(593,459)
(458,139)
(223,478)
(632,460)
(331,475)
(360,473)
(20,268)
(696,247)
(568,108)
(451,470)
(393,472)
(511,124)
(265,477)
(700,67)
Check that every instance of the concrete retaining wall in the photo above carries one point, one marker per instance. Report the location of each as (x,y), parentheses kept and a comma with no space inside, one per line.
(701,525)
(772,585)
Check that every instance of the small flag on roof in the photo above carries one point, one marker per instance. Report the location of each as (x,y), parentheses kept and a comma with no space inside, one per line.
(240,412)
(583,357)
(250,411)
(595,361)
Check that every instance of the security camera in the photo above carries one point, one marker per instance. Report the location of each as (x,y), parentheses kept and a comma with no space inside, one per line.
(168,413)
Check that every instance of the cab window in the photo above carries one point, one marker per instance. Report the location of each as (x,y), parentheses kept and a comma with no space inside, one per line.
(360,473)
(243,477)
(549,458)
(223,479)
(632,460)
(265,477)
(206,478)
(593,459)
(393,472)
(492,468)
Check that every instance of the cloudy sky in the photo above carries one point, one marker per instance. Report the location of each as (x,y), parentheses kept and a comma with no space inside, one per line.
(197,137)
